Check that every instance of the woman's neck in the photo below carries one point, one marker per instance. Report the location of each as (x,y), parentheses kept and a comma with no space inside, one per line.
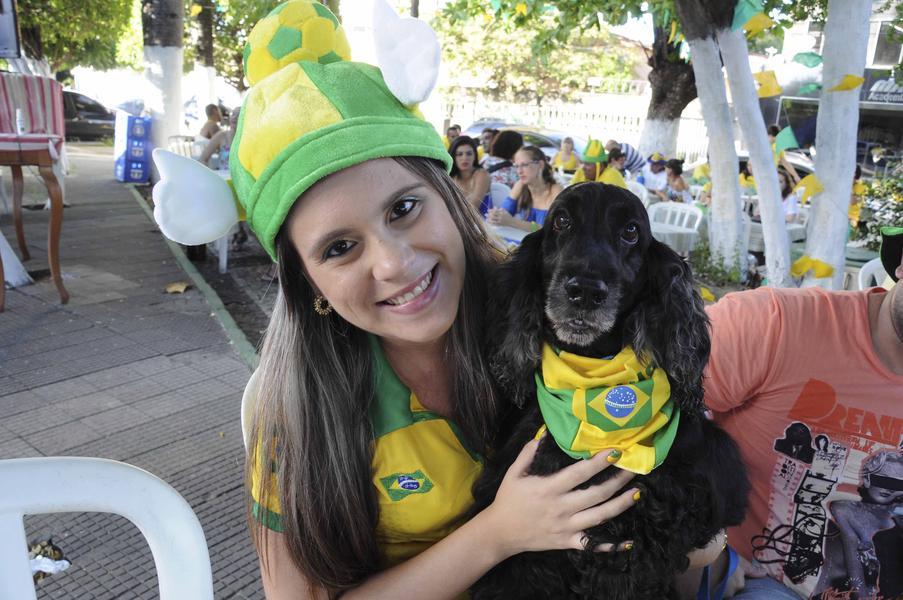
(424,368)
(465,175)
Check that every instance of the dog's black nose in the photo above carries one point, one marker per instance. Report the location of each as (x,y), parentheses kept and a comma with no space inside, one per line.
(586,293)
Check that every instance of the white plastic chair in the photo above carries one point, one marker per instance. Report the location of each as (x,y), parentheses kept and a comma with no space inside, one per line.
(676,214)
(73,484)
(498,192)
(640,191)
(872,270)
(181,145)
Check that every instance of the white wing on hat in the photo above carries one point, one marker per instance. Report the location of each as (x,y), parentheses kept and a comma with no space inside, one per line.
(407,53)
(192,204)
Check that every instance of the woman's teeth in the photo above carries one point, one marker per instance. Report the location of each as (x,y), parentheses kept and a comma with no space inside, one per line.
(413,293)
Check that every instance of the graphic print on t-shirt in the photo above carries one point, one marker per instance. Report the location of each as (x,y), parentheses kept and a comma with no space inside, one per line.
(835,527)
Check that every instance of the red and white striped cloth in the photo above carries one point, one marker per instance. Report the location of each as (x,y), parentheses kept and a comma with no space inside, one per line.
(40,100)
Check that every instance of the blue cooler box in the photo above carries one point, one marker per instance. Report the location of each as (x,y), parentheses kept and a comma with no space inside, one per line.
(131,171)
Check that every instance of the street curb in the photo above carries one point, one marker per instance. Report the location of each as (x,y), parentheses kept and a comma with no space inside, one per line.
(236,336)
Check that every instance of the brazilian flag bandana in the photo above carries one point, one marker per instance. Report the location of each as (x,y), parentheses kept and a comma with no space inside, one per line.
(590,404)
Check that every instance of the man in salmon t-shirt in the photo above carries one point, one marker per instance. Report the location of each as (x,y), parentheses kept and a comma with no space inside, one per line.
(810,385)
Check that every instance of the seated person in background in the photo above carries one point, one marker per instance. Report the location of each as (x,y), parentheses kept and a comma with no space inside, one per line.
(531,196)
(653,175)
(633,161)
(566,159)
(612,174)
(469,175)
(816,411)
(588,171)
(856,198)
(676,189)
(789,198)
(499,163)
(451,133)
(486,137)
(211,126)
(702,174)
(221,142)
(780,159)
(747,183)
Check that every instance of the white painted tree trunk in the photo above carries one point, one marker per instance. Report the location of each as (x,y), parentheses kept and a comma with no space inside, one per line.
(163,70)
(735,54)
(209,93)
(846,46)
(724,216)
(659,135)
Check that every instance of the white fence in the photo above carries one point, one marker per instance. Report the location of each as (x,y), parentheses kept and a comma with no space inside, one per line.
(602,116)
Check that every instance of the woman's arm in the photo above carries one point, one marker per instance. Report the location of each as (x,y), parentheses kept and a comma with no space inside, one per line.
(529,513)
(479,189)
(794,176)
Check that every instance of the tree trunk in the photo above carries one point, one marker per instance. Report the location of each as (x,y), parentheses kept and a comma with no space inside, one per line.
(673,88)
(333,5)
(846,45)
(724,215)
(205,52)
(415,9)
(746,106)
(161,22)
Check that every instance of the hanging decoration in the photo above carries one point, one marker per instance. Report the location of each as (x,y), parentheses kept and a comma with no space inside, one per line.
(849,82)
(768,84)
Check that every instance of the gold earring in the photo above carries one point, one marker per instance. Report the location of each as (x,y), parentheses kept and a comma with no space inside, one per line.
(321,306)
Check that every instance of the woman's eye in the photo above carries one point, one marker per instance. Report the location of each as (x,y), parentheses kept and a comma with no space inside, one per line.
(561,222)
(631,234)
(402,208)
(338,248)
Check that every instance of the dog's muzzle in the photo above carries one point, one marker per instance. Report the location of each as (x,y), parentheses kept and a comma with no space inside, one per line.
(586,294)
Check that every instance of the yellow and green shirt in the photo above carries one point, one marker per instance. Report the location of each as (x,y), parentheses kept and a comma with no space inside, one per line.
(423,471)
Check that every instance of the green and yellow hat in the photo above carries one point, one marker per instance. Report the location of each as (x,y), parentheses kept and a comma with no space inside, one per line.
(657,158)
(891,250)
(594,152)
(312,112)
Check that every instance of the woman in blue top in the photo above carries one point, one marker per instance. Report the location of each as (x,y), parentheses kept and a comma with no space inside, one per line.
(531,196)
(468,174)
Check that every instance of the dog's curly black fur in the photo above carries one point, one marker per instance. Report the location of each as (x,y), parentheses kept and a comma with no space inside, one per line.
(592,281)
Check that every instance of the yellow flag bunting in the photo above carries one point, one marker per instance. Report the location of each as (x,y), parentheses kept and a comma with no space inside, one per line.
(849,82)
(811,186)
(768,84)
(820,269)
(749,15)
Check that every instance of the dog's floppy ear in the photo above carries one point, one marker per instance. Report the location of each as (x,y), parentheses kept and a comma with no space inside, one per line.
(670,324)
(515,319)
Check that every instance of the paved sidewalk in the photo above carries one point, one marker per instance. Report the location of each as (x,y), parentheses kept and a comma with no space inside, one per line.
(127,372)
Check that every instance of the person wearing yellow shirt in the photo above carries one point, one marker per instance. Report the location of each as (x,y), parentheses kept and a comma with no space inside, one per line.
(746,178)
(566,159)
(612,173)
(451,133)
(593,162)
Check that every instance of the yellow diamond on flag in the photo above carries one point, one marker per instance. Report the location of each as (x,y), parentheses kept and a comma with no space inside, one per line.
(849,82)
(768,84)
(757,24)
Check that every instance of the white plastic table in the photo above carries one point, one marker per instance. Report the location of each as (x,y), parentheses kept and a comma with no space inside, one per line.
(509,234)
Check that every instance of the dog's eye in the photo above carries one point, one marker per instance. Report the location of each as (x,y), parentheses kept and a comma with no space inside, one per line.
(561,222)
(631,234)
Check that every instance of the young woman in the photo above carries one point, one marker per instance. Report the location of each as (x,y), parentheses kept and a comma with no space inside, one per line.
(471,178)
(566,159)
(614,167)
(373,400)
(789,198)
(677,189)
(531,196)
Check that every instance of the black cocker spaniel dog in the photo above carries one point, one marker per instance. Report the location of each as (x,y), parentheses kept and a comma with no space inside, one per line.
(591,282)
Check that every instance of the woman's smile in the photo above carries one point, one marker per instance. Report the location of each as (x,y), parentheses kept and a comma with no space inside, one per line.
(416,296)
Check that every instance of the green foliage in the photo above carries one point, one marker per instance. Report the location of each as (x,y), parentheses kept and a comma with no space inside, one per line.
(70,33)
(491,49)
(883,206)
(708,267)
(232,22)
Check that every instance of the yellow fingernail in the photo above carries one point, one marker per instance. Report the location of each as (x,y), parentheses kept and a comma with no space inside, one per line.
(636,496)
(628,546)
(613,456)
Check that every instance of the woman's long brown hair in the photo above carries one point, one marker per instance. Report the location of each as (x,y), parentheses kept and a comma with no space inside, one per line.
(311,425)
(525,198)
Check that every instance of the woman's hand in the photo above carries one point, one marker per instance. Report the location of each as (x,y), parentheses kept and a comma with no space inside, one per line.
(547,513)
(737,580)
(500,217)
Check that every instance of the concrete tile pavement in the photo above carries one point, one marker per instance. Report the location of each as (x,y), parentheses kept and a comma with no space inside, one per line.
(127,372)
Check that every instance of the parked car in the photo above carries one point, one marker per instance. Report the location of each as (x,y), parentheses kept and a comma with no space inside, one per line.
(547,140)
(800,161)
(86,118)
